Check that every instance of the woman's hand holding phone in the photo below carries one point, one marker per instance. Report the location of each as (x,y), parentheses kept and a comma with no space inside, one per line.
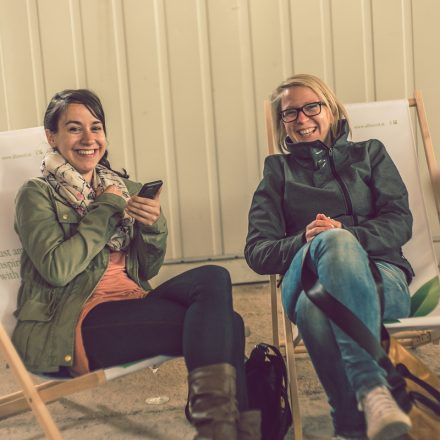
(146,210)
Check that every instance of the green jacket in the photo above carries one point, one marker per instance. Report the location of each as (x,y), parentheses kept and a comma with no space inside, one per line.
(64,258)
(355,183)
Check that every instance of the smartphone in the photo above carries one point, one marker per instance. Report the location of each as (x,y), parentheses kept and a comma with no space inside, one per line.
(150,189)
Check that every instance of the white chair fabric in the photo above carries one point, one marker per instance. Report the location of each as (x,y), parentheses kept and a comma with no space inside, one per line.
(390,122)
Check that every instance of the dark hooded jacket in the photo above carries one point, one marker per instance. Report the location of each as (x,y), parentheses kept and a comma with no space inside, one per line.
(355,183)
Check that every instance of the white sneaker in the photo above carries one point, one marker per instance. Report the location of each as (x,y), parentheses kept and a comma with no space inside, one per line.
(385,420)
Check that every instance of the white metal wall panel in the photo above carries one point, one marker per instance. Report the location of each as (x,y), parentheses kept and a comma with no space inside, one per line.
(190,85)
(393,49)
(4,115)
(59,33)
(106,71)
(426,65)
(17,64)
(352,48)
(265,22)
(151,109)
(183,81)
(312,45)
(234,129)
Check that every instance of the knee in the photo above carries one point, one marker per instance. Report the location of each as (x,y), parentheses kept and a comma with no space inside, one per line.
(214,275)
(213,282)
(340,243)
(336,237)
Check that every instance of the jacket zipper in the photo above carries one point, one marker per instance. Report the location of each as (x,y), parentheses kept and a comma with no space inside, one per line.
(343,187)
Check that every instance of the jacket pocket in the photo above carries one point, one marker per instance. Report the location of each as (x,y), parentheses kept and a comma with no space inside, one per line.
(32,335)
(33,310)
(67,218)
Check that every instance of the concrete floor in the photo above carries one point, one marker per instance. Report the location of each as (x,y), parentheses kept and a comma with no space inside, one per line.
(119,409)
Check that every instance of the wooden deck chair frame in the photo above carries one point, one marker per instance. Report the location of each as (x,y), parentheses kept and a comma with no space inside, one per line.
(35,396)
(292,341)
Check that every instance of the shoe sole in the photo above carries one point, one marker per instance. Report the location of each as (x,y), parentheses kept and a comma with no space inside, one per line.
(392,431)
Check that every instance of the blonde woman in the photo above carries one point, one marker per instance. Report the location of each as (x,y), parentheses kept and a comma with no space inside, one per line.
(345,202)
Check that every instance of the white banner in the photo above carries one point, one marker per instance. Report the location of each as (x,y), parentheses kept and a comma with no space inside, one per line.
(21,152)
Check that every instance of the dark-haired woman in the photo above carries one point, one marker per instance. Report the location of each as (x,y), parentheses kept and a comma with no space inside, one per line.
(90,245)
(342,202)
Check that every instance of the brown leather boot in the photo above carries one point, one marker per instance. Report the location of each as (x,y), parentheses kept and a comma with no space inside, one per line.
(212,404)
(249,425)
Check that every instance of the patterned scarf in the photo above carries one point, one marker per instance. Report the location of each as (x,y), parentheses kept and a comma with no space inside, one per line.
(70,185)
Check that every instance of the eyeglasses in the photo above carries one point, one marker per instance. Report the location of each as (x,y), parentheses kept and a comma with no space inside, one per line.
(311,109)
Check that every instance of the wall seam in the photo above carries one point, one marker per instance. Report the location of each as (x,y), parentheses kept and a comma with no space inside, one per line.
(369,65)
(413,60)
(134,162)
(373,50)
(4,85)
(209,128)
(82,39)
(77,45)
(35,33)
(323,41)
(248,81)
(168,129)
(286,37)
(123,86)
(332,46)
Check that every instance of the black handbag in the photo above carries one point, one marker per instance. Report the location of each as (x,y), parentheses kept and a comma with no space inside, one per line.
(267,386)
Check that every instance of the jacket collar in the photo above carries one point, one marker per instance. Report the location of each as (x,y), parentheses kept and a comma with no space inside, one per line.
(314,154)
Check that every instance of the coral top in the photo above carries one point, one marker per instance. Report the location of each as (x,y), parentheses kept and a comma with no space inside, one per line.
(115,285)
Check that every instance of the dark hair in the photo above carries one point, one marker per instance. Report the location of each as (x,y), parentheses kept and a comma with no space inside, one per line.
(58,105)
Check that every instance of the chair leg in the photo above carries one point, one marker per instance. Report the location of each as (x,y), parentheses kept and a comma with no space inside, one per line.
(293,380)
(32,396)
(274,309)
(16,403)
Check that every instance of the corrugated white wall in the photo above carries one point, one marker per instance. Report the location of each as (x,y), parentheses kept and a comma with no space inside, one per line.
(183,82)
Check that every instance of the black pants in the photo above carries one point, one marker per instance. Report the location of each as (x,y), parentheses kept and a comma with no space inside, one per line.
(190,315)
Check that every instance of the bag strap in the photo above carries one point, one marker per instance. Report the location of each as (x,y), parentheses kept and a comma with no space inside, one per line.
(280,362)
(340,314)
(278,359)
(353,327)
(403,370)
(359,332)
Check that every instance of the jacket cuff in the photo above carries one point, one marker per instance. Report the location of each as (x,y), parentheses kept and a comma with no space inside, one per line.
(157,227)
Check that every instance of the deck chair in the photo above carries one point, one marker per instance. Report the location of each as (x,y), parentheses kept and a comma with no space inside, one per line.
(21,152)
(390,122)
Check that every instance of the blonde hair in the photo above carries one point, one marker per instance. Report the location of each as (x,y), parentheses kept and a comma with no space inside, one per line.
(324,93)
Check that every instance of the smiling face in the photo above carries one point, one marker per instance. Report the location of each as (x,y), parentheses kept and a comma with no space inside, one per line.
(305,128)
(80,139)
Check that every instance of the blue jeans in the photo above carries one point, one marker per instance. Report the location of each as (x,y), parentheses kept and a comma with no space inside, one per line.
(346,371)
